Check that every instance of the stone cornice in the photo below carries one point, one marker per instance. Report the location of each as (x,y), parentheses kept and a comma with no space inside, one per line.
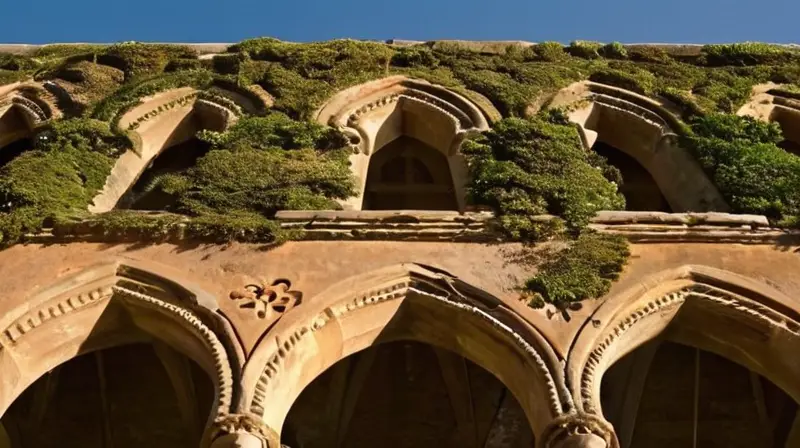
(451,226)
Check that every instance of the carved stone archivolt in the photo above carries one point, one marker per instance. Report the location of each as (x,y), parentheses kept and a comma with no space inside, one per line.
(135,289)
(351,109)
(418,284)
(714,310)
(646,130)
(268,301)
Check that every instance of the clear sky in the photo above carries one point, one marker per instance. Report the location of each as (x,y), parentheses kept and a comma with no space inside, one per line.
(627,21)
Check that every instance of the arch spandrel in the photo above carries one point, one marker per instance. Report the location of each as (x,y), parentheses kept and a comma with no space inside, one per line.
(400,303)
(158,122)
(733,316)
(645,130)
(108,305)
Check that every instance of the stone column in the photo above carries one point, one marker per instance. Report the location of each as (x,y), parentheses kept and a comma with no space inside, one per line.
(243,431)
(579,431)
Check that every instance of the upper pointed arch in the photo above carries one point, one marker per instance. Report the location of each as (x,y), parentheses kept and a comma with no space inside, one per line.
(770,103)
(419,127)
(161,121)
(23,106)
(645,130)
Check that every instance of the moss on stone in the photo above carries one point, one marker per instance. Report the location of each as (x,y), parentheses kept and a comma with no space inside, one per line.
(137,59)
(741,156)
(585,269)
(262,179)
(528,167)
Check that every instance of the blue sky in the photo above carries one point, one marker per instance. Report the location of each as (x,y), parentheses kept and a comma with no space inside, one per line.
(627,21)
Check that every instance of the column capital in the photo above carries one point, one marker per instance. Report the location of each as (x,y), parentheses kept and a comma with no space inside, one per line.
(242,431)
(579,430)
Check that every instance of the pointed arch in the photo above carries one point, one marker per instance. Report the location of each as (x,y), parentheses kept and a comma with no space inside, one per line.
(769,103)
(404,302)
(732,316)
(379,112)
(644,130)
(157,123)
(23,106)
(109,305)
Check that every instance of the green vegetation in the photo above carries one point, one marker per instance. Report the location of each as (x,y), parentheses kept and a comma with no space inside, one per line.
(524,166)
(265,164)
(535,166)
(583,270)
(741,156)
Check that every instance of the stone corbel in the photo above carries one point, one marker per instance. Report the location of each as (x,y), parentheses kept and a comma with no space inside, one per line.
(579,431)
(243,431)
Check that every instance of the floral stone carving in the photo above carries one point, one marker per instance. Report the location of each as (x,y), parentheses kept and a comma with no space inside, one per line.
(268,300)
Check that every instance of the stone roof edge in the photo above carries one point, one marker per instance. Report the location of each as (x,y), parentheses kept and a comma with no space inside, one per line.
(488,46)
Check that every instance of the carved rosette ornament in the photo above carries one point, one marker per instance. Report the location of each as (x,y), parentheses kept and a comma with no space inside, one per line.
(243,431)
(268,300)
(579,431)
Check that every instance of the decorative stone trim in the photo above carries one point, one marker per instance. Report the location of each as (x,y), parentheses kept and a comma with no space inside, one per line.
(221,102)
(268,300)
(30,106)
(628,107)
(698,291)
(442,291)
(411,225)
(178,102)
(577,425)
(224,376)
(244,423)
(119,287)
(380,225)
(35,318)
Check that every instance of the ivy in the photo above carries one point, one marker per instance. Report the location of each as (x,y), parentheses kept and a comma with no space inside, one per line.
(527,167)
(585,269)
(741,156)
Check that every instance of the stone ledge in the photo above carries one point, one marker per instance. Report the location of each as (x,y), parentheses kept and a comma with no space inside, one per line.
(422,225)
(643,227)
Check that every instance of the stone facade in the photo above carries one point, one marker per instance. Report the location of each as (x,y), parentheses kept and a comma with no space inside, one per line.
(405,328)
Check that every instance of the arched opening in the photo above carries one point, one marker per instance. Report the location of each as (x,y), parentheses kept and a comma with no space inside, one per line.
(397,304)
(146,194)
(409,174)
(670,395)
(124,396)
(644,131)
(406,394)
(14,150)
(15,133)
(640,190)
(396,111)
(167,121)
(789,121)
(790,146)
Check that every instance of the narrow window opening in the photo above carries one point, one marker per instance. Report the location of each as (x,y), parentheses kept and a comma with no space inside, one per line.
(14,150)
(146,193)
(407,174)
(638,187)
